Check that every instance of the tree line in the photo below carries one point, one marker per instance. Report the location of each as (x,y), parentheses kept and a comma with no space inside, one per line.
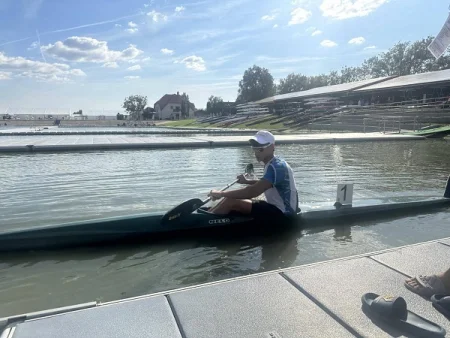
(404,58)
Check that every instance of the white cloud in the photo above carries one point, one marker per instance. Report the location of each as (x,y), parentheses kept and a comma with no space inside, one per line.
(132,77)
(156,16)
(131,24)
(34,45)
(370,47)
(194,62)
(328,43)
(131,30)
(310,29)
(345,9)
(84,49)
(275,26)
(42,71)
(299,15)
(167,51)
(272,16)
(5,75)
(179,9)
(357,41)
(117,25)
(134,61)
(269,17)
(134,68)
(316,32)
(110,65)
(130,53)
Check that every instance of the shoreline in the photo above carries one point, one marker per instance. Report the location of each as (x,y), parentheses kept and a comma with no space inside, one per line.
(192,124)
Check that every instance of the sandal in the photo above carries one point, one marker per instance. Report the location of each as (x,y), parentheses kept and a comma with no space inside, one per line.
(393,311)
(426,286)
(442,304)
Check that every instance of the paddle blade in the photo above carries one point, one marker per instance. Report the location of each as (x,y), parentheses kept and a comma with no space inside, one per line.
(181,210)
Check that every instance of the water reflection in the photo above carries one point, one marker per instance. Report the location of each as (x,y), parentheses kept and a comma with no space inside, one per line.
(343,234)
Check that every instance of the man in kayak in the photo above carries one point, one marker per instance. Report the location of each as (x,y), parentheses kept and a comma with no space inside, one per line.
(277,184)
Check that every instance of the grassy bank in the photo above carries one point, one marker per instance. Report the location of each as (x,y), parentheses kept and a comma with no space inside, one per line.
(263,125)
(194,124)
(266,125)
(185,123)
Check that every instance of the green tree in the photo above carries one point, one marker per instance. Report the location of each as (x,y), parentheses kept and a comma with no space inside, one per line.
(214,104)
(317,81)
(404,58)
(351,74)
(185,105)
(423,61)
(256,84)
(334,78)
(293,83)
(135,105)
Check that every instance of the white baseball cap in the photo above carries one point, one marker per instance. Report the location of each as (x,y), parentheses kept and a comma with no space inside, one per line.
(262,139)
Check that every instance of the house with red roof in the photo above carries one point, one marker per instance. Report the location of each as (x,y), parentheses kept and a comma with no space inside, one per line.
(168,107)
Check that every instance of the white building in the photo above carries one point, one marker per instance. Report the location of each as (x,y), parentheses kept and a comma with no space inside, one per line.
(169,107)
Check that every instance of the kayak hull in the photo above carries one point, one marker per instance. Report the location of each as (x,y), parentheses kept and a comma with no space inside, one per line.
(145,226)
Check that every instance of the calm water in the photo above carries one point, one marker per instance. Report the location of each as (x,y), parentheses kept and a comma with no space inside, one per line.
(53,188)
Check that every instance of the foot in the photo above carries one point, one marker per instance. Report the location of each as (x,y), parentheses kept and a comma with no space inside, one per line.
(426,286)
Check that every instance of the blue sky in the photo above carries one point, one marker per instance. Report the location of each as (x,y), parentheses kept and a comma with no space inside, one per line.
(92,54)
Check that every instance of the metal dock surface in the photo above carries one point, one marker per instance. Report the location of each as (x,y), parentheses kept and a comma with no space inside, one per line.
(316,300)
(120,142)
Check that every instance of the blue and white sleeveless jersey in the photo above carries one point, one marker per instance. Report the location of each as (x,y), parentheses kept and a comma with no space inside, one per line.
(283,193)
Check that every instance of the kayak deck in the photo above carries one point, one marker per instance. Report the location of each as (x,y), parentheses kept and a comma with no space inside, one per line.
(132,227)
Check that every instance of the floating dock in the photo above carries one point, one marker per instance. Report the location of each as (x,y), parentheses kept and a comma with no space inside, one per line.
(315,300)
(147,131)
(115,142)
(437,132)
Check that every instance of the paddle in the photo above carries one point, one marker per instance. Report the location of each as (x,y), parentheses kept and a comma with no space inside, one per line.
(193,204)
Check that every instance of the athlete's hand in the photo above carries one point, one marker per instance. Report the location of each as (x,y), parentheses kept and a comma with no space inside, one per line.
(242,179)
(215,194)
